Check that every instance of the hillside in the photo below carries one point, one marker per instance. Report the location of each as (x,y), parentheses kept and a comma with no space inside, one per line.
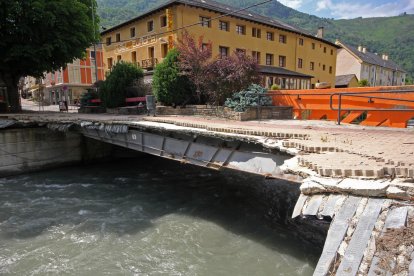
(392,35)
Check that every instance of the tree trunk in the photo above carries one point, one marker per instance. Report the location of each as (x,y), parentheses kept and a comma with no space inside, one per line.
(12,91)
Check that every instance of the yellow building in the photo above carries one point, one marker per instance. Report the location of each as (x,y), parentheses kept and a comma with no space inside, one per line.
(287,56)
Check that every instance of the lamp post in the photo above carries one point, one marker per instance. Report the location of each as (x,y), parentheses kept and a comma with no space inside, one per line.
(94,41)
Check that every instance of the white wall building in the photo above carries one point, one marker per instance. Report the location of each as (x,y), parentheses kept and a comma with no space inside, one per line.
(378,70)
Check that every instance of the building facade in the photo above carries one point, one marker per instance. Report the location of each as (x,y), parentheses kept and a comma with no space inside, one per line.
(146,39)
(378,70)
(68,83)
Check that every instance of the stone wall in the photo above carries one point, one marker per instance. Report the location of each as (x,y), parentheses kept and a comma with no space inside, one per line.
(252,113)
(25,150)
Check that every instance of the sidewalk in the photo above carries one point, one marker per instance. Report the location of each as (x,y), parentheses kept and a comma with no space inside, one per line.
(34,106)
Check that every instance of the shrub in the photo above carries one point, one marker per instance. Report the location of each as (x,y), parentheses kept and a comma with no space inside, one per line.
(274,87)
(169,85)
(114,90)
(87,96)
(138,89)
(249,97)
(363,83)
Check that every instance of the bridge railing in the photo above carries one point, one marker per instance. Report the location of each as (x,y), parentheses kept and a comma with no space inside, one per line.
(373,106)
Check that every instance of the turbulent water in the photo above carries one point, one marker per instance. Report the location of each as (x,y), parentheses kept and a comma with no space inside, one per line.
(139,217)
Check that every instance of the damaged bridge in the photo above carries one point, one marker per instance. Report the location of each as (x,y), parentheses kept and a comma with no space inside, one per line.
(360,181)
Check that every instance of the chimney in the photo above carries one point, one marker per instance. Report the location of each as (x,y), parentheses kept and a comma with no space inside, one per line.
(320,32)
(360,48)
(384,57)
(364,50)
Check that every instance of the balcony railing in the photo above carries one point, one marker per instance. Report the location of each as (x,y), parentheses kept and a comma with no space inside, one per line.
(149,63)
(139,42)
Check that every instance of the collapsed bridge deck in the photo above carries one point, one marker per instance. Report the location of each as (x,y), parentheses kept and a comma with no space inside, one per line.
(361,178)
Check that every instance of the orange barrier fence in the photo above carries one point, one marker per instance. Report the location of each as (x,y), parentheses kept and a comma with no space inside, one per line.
(371,106)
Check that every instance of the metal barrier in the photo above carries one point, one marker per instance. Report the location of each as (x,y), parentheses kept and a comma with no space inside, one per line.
(348,105)
(370,100)
(259,106)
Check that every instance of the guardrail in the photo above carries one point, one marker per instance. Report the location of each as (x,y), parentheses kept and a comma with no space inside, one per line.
(378,106)
(370,100)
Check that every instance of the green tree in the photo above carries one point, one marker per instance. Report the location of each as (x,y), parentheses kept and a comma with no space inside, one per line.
(41,35)
(169,85)
(114,90)
(363,83)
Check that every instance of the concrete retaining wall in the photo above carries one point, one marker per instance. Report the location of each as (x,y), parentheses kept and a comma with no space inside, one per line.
(29,149)
(25,150)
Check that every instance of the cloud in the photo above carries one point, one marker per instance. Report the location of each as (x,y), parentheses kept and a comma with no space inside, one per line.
(346,10)
(324,5)
(294,4)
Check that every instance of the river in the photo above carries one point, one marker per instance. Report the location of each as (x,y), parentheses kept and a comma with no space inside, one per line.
(143,216)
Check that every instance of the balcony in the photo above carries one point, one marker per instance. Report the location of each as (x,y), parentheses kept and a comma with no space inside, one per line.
(149,63)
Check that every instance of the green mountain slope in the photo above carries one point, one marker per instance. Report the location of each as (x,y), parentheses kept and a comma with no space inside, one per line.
(392,35)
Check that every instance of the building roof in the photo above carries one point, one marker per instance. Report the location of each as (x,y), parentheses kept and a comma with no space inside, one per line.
(372,58)
(224,9)
(281,71)
(344,80)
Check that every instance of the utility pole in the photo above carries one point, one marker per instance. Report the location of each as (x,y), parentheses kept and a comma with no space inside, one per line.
(94,40)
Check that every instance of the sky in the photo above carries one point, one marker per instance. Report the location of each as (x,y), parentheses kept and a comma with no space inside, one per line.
(346,9)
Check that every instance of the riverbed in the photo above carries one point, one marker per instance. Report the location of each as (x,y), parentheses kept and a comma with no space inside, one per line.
(141,216)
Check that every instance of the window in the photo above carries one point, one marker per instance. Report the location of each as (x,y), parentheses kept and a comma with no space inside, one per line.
(301,41)
(204,46)
(256,32)
(331,52)
(110,63)
(163,21)
(330,69)
(224,51)
(256,56)
(269,59)
(269,36)
(205,21)
(240,29)
(132,32)
(323,67)
(224,26)
(324,49)
(313,46)
(150,26)
(282,39)
(164,50)
(108,41)
(118,58)
(282,61)
(151,52)
(312,66)
(241,51)
(92,54)
(134,57)
(118,37)
(300,63)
